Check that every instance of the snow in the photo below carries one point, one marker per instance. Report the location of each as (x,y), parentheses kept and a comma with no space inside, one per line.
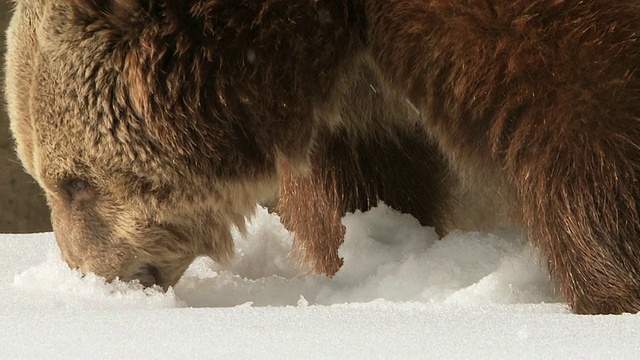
(401,294)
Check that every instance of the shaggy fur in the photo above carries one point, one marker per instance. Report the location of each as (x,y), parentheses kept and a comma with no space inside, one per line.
(378,152)
(155,126)
(347,175)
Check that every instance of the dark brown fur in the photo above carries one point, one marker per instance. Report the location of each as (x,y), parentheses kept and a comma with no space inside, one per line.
(376,154)
(154,126)
(347,176)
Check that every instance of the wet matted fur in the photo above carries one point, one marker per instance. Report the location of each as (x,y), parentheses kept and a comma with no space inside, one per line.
(155,126)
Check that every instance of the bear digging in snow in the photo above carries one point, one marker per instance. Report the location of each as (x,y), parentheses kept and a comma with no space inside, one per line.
(155,126)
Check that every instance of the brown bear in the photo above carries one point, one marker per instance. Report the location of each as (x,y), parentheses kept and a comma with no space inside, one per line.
(155,126)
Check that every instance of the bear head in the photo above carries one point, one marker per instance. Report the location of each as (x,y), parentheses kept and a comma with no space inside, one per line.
(154,127)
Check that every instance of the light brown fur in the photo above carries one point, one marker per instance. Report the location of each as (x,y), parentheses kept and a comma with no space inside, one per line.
(154,127)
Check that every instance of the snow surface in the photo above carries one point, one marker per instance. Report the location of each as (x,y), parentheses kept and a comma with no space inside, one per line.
(401,294)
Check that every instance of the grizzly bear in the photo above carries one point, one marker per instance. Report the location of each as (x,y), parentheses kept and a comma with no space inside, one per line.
(156,126)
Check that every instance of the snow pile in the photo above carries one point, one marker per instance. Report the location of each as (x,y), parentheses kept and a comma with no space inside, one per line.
(387,255)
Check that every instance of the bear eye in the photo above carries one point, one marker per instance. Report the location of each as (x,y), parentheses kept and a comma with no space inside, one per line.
(75,188)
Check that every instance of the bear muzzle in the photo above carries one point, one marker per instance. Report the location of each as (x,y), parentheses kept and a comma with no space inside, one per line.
(148,276)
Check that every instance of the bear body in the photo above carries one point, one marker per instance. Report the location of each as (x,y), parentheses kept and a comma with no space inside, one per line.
(154,127)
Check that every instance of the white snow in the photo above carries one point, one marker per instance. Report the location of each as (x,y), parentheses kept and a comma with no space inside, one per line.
(401,294)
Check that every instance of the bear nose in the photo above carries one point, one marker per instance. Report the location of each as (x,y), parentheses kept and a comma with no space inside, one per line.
(148,276)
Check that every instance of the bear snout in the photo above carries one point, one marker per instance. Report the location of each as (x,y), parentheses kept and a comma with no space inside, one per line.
(148,276)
